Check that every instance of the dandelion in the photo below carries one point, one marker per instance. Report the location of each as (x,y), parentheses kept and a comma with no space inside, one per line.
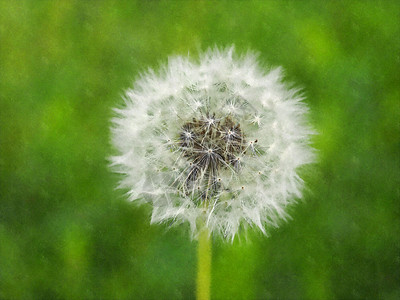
(215,142)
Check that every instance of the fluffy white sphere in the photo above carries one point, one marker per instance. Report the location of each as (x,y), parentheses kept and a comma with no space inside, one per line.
(214,142)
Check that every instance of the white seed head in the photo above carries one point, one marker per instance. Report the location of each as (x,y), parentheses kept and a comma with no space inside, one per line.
(216,141)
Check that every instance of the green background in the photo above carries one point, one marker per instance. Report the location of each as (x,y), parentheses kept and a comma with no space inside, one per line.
(67,233)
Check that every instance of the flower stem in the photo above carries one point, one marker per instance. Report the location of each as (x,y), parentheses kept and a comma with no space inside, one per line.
(204,266)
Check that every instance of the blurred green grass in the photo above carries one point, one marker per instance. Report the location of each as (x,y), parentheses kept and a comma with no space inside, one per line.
(66,233)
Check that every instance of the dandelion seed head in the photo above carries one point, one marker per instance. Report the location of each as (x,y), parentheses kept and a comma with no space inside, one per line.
(218,139)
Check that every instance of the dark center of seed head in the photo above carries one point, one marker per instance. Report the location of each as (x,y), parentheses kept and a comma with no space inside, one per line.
(210,145)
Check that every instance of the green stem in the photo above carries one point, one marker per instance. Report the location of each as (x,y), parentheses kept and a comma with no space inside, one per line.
(204,265)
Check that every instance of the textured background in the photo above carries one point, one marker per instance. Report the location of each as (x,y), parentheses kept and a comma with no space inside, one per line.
(66,233)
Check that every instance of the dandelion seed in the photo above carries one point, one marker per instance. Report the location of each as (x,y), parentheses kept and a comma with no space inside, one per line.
(217,139)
